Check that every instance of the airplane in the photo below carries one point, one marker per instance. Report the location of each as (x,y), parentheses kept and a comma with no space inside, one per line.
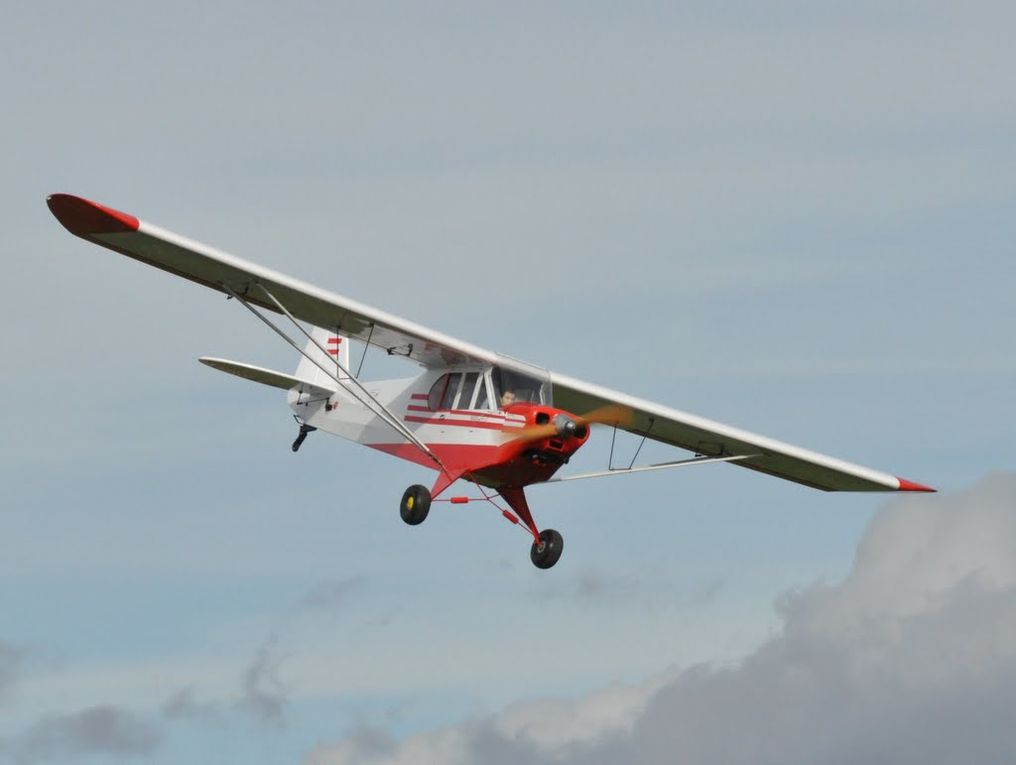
(472,414)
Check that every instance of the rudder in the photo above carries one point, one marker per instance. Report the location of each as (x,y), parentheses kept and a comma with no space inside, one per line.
(335,360)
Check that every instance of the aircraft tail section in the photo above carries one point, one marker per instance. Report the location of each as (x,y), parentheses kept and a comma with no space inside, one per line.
(335,360)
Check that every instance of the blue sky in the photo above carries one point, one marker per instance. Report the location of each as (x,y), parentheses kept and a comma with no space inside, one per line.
(792,217)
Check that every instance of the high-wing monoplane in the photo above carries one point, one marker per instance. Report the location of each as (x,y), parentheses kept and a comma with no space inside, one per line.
(471,414)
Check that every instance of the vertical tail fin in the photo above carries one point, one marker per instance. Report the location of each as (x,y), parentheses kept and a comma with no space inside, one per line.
(337,347)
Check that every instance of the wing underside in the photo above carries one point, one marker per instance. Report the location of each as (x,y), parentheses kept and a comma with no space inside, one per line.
(226,273)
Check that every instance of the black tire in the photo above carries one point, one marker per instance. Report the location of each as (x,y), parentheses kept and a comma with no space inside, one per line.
(415,505)
(547,551)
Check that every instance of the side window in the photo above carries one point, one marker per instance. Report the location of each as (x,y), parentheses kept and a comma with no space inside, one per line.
(456,390)
(453,387)
(468,386)
(437,392)
(482,400)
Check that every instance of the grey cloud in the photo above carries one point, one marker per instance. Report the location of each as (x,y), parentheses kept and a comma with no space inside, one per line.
(183,705)
(363,745)
(706,592)
(265,695)
(180,705)
(330,595)
(588,586)
(99,730)
(12,659)
(599,589)
(911,659)
(593,587)
(933,687)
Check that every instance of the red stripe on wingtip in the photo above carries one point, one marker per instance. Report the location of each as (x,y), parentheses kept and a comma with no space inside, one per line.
(83,217)
(911,486)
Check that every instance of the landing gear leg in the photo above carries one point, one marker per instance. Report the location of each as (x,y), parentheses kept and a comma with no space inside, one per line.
(547,544)
(304,430)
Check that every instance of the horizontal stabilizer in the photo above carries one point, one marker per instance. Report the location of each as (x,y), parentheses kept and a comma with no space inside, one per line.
(262,375)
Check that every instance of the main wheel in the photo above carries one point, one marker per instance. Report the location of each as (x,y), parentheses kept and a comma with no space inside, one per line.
(415,505)
(547,551)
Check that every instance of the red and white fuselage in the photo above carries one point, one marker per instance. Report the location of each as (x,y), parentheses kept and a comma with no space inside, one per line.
(482,445)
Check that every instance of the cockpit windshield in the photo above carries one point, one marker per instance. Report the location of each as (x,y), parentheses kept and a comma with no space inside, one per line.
(511,387)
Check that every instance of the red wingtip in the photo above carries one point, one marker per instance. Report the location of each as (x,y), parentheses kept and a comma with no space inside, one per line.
(83,217)
(911,486)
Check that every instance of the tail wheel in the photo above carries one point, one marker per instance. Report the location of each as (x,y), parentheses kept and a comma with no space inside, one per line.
(415,505)
(547,551)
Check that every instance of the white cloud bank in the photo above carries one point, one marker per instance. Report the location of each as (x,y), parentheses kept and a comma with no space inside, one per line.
(912,658)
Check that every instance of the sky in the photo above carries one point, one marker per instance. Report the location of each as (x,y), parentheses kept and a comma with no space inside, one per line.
(791,217)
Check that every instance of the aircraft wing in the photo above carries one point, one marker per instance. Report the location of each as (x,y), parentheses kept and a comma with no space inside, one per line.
(205,265)
(713,439)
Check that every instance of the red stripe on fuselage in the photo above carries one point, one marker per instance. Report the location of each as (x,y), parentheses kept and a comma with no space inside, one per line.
(455,423)
(485,413)
(463,412)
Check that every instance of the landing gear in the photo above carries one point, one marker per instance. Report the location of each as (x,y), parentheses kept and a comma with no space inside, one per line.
(546,552)
(547,545)
(304,430)
(415,505)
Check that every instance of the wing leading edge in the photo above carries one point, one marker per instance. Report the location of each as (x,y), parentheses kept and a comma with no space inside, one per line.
(220,271)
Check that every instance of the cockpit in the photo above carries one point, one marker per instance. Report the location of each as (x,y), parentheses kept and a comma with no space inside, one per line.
(486,389)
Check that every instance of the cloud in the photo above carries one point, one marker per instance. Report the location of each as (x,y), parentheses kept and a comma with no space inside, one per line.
(911,658)
(180,705)
(264,694)
(539,731)
(331,595)
(99,730)
(12,659)
(591,587)
(184,706)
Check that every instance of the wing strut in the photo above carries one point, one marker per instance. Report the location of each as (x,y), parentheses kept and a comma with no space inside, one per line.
(701,460)
(613,435)
(371,403)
